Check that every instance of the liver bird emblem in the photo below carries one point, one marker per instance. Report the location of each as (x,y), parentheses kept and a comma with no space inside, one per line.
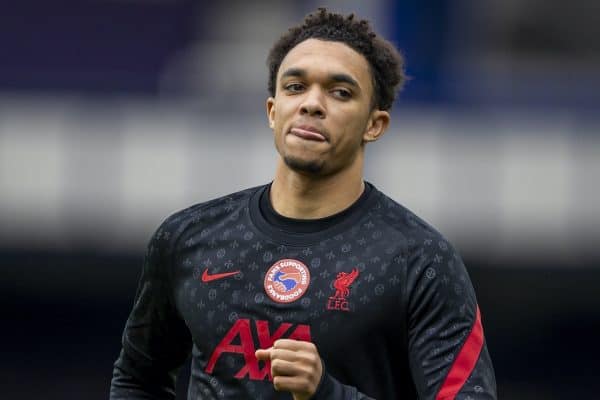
(343,281)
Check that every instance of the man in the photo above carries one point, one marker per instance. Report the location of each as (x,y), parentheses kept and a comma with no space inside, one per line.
(316,286)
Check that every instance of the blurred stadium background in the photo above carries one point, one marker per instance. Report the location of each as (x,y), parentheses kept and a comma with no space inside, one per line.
(116,113)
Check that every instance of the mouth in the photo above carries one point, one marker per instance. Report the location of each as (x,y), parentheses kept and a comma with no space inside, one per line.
(308,132)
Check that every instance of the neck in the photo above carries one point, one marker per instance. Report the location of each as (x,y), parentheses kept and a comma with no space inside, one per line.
(301,196)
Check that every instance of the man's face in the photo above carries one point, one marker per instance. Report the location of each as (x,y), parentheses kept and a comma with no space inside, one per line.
(321,114)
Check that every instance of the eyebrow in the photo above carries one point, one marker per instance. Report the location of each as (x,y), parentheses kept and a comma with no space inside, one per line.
(338,77)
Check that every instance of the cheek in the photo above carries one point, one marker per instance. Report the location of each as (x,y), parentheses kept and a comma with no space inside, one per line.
(278,129)
(281,116)
(352,132)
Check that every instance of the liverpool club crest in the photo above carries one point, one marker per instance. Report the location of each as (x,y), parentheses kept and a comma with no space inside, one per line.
(342,284)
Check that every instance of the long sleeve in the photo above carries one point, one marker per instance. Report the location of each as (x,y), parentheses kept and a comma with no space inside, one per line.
(156,341)
(332,389)
(447,350)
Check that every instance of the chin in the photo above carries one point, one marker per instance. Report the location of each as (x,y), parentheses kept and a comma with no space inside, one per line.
(300,165)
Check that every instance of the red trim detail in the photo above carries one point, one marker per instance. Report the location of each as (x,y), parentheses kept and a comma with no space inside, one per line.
(464,363)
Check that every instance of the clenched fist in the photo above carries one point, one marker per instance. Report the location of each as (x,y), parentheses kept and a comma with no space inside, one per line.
(295,366)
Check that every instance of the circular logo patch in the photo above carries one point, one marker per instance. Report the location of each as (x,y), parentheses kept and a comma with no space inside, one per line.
(287,280)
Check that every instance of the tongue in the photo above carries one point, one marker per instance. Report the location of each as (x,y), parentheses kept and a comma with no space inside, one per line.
(308,135)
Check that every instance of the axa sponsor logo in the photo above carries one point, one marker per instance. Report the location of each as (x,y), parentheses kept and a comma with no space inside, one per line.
(241,340)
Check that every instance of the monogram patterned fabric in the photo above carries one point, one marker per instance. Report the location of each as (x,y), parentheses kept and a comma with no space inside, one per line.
(385,298)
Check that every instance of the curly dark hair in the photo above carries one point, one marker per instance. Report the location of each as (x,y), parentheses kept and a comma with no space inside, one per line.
(386,63)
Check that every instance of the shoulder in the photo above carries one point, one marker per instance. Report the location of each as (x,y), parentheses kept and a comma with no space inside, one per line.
(427,254)
(436,278)
(420,236)
(204,214)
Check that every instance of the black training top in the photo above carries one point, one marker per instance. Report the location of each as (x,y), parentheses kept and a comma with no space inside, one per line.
(384,297)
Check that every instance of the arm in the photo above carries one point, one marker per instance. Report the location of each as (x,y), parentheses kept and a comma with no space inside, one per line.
(331,388)
(155,341)
(447,349)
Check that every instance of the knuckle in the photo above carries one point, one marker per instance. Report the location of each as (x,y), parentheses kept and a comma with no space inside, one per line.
(275,365)
(307,374)
(305,387)
(310,359)
(278,355)
(312,376)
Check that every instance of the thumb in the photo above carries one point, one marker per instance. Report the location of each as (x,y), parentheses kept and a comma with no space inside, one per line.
(263,354)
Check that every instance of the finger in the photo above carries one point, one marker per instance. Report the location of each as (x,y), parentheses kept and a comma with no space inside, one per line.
(263,354)
(286,368)
(306,358)
(292,344)
(285,354)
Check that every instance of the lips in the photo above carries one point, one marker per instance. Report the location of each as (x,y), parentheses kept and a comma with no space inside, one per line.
(308,132)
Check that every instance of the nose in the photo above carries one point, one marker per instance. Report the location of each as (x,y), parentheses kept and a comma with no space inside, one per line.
(312,103)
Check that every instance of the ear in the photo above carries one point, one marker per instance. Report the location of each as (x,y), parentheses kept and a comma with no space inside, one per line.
(271,111)
(377,125)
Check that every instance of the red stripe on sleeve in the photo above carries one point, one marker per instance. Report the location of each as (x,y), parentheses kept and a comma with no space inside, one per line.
(464,362)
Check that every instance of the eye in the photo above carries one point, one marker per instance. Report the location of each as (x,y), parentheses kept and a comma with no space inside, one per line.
(342,93)
(294,87)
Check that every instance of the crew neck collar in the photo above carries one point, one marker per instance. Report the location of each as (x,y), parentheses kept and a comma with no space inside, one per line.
(303,232)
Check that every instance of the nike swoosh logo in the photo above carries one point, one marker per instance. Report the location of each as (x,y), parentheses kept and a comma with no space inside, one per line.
(208,278)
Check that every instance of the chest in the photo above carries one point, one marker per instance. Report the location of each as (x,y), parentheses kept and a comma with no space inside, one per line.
(258,290)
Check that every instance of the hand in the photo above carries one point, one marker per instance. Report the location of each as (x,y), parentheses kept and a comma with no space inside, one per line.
(295,366)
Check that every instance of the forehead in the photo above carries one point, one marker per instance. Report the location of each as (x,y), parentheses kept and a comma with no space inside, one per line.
(325,57)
